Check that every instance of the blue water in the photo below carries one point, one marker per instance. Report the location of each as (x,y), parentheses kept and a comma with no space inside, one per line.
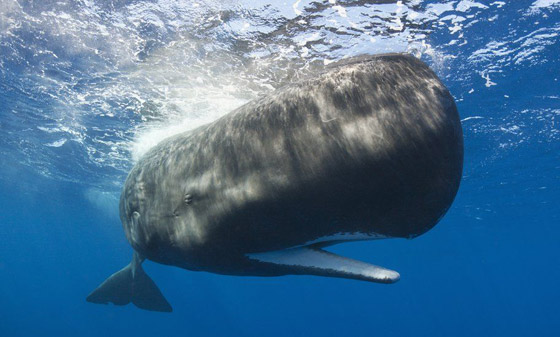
(88,86)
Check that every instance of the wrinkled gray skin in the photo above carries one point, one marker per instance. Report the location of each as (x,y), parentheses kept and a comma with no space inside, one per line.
(373,145)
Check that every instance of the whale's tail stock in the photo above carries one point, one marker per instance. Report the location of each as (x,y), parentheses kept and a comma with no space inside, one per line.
(131,284)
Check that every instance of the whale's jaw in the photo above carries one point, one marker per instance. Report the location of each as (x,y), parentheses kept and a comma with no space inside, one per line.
(312,260)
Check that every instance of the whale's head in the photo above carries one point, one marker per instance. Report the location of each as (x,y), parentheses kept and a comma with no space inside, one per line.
(162,215)
(149,221)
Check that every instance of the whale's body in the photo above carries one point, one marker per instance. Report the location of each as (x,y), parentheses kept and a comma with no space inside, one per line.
(370,148)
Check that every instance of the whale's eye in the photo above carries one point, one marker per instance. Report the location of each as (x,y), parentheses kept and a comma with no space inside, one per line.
(188,199)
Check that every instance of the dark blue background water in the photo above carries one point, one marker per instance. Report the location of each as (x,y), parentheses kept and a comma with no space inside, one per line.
(490,267)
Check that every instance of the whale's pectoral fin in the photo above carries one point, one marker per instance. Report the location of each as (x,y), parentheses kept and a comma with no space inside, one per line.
(131,284)
(315,261)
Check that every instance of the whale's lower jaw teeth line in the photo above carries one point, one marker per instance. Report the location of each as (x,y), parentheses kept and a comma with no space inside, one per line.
(315,261)
(345,237)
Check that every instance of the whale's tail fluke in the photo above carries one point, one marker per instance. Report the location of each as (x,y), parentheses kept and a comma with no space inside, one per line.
(131,284)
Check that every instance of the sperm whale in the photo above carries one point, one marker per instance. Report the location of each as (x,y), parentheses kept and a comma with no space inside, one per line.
(370,148)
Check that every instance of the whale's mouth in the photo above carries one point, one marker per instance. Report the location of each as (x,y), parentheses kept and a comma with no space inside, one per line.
(312,260)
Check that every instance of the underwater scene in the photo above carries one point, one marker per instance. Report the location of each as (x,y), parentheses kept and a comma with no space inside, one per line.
(279,168)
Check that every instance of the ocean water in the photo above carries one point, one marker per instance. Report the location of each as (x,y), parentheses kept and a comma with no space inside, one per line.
(88,86)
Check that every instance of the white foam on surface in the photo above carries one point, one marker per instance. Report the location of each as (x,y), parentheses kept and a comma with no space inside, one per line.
(465,5)
(57,143)
(545,3)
